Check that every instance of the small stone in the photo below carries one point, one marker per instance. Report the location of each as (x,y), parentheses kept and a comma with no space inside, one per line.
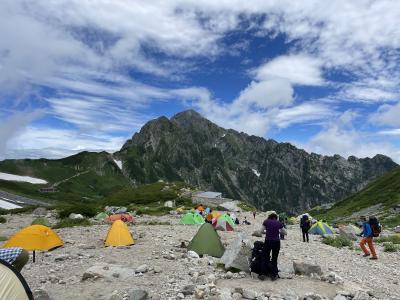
(291,295)
(180,296)
(41,294)
(249,294)
(142,269)
(188,289)
(136,294)
(192,254)
(340,297)
(229,275)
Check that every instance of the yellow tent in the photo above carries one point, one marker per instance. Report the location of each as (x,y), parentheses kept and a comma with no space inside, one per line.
(35,237)
(119,235)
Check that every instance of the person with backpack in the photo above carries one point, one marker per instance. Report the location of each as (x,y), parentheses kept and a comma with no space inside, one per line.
(368,235)
(305,225)
(271,226)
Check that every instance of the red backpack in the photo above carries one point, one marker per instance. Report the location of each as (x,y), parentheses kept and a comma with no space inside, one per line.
(376,228)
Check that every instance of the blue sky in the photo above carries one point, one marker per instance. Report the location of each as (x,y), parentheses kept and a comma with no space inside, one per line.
(85,75)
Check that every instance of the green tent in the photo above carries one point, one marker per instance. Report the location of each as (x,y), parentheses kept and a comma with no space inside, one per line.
(192,218)
(228,219)
(207,241)
(101,216)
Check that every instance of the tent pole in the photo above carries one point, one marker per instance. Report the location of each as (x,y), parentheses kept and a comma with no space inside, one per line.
(34,256)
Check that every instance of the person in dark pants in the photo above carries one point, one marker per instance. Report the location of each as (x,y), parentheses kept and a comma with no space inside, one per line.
(305,225)
(272,243)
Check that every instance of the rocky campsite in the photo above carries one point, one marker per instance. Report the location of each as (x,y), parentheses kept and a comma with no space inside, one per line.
(158,265)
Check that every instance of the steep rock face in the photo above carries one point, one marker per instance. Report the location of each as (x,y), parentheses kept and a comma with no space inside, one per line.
(268,174)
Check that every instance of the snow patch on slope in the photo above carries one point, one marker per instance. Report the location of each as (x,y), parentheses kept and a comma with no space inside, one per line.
(8,205)
(118,163)
(12,177)
(256,172)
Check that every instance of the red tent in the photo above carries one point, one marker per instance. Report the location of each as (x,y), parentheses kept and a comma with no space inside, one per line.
(221,224)
(122,217)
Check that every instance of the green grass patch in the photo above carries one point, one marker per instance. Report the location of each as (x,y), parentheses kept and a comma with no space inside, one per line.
(3,238)
(337,242)
(2,219)
(153,223)
(394,239)
(86,209)
(150,210)
(41,221)
(63,223)
(390,247)
(391,221)
(246,206)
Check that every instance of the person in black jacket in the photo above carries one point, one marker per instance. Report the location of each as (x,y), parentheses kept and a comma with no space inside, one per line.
(305,225)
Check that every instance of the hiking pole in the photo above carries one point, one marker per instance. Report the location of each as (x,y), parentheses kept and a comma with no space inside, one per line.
(34,256)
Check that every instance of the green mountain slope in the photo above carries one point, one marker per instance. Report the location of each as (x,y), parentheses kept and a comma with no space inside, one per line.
(380,197)
(82,177)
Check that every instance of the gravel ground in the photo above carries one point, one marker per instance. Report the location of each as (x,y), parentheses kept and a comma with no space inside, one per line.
(59,272)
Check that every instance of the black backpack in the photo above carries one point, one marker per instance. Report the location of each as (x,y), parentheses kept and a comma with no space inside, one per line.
(258,262)
(376,228)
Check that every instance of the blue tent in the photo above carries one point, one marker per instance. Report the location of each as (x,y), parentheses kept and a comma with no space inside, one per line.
(320,228)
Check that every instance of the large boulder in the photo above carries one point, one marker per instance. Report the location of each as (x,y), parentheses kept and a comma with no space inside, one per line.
(169,204)
(108,271)
(237,254)
(230,206)
(40,212)
(348,232)
(303,268)
(75,216)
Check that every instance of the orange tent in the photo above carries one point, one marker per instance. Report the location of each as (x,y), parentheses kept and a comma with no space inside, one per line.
(122,217)
(200,208)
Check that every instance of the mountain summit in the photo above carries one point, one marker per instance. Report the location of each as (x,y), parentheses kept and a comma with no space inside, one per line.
(266,173)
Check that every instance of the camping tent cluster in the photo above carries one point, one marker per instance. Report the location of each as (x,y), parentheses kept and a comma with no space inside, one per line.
(219,221)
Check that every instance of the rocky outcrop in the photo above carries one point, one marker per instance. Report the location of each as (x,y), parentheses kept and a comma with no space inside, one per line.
(268,174)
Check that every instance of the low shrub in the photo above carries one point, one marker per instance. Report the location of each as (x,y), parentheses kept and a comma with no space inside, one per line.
(394,239)
(153,223)
(86,209)
(246,206)
(152,210)
(41,221)
(66,222)
(3,238)
(390,247)
(2,219)
(337,242)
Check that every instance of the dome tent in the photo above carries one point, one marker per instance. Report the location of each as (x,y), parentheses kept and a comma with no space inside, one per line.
(207,241)
(119,235)
(191,218)
(35,237)
(320,228)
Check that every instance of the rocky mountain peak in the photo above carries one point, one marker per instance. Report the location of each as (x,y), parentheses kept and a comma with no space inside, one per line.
(271,175)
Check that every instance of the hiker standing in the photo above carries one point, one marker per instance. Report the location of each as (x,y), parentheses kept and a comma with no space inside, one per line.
(254,214)
(305,226)
(272,226)
(367,235)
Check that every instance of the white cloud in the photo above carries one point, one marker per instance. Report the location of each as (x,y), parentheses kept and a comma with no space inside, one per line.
(268,93)
(390,132)
(387,115)
(297,69)
(55,143)
(342,138)
(13,125)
